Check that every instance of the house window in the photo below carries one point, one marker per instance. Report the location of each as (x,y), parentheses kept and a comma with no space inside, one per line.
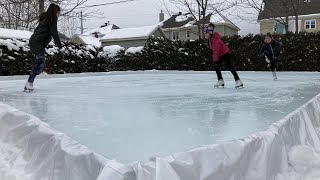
(311,24)
(188,34)
(175,35)
(274,27)
(307,1)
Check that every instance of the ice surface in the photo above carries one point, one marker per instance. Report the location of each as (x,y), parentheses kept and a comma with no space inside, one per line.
(131,116)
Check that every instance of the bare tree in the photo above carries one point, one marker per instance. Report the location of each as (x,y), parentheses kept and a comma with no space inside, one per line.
(199,9)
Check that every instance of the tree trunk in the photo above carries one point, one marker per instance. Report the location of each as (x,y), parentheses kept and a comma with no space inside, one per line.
(41,7)
(297,23)
(286,24)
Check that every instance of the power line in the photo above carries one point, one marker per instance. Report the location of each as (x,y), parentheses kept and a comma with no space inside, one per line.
(104,4)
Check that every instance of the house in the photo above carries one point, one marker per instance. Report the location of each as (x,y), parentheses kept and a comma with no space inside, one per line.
(132,37)
(273,15)
(222,24)
(93,37)
(185,27)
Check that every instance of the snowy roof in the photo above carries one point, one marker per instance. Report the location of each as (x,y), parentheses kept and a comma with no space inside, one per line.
(217,19)
(131,33)
(102,30)
(12,33)
(179,20)
(86,39)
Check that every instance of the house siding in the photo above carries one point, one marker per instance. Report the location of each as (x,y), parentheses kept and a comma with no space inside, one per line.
(131,42)
(267,25)
(183,33)
(127,43)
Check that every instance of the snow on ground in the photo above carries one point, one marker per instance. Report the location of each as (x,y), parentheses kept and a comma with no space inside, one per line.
(12,164)
(304,164)
(14,34)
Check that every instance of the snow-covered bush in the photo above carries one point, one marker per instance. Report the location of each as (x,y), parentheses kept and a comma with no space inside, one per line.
(301,53)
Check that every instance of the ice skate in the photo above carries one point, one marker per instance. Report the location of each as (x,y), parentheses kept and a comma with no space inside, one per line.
(239,84)
(219,84)
(274,75)
(28,87)
(267,60)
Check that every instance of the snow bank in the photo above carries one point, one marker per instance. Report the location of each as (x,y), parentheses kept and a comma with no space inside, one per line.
(12,163)
(304,164)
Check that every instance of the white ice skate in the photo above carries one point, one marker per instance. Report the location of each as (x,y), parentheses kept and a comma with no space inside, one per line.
(219,84)
(239,84)
(28,87)
(274,74)
(267,60)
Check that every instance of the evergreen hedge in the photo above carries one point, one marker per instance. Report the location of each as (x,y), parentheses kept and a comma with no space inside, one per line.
(301,53)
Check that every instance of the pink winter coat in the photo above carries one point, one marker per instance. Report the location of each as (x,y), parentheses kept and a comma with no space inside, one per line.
(218,47)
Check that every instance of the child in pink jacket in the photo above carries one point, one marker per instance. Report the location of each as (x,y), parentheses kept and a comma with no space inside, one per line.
(220,53)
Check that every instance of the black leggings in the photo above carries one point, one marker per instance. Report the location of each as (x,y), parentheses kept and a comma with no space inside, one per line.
(272,64)
(227,59)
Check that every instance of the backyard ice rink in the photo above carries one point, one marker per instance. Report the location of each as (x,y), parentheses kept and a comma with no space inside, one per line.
(132,116)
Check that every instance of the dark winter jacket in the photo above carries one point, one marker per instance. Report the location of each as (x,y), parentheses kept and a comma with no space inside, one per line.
(271,50)
(41,36)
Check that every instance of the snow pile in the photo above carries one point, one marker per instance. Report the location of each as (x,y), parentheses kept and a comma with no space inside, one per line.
(133,50)
(304,164)
(181,18)
(12,163)
(111,51)
(190,23)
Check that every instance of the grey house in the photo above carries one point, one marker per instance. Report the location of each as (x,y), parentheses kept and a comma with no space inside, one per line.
(184,27)
(131,37)
(223,25)
(272,17)
(93,36)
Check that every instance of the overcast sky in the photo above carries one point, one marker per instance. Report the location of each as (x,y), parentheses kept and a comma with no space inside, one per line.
(143,13)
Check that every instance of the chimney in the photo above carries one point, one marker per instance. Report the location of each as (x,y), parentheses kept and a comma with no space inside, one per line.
(161,16)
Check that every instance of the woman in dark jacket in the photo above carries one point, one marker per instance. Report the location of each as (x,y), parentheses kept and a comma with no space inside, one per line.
(269,51)
(40,39)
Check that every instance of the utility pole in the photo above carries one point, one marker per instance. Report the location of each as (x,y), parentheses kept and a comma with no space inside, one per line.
(81,22)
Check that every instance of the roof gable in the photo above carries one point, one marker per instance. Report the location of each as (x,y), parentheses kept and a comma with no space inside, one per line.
(217,19)
(178,20)
(277,8)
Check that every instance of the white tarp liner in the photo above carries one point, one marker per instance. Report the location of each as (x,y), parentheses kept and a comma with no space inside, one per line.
(259,156)
(51,155)
(31,147)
